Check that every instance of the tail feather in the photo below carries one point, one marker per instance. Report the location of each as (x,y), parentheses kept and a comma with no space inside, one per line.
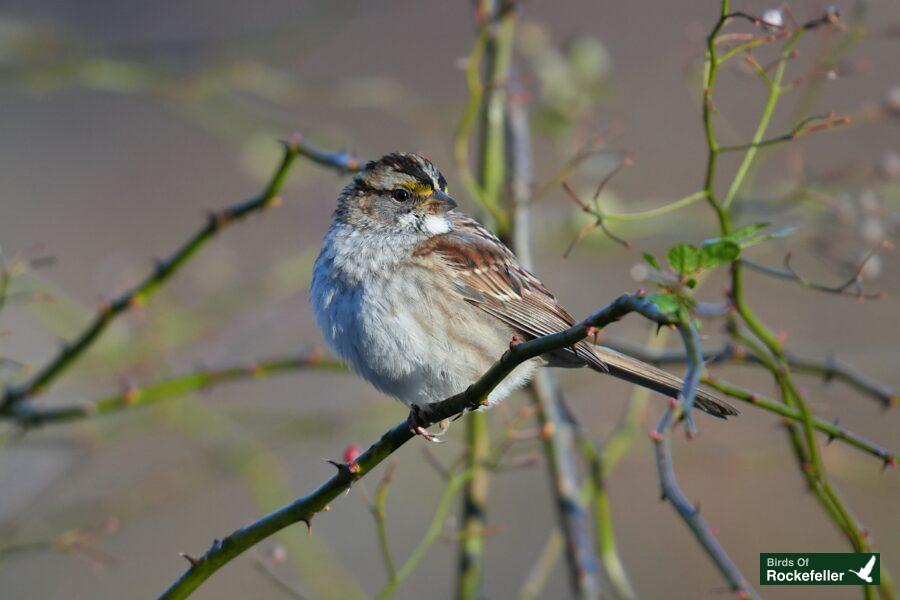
(640,373)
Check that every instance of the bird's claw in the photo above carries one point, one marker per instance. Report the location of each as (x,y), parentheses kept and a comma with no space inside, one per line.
(419,427)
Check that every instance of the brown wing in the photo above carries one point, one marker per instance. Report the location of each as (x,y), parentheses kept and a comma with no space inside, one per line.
(489,276)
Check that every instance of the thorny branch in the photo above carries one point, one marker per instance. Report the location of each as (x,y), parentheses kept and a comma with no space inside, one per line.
(27,415)
(691,514)
(765,343)
(217,221)
(828,369)
(305,508)
(851,287)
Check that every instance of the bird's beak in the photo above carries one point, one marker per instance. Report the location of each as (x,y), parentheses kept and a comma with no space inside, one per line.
(438,203)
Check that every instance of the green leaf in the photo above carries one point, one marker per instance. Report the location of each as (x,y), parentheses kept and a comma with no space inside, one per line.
(753,234)
(747,232)
(718,253)
(651,260)
(691,283)
(666,303)
(684,258)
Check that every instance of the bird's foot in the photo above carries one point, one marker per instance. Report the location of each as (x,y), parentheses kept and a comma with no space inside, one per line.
(420,427)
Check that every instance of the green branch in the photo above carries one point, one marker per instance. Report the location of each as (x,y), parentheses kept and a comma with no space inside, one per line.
(304,509)
(166,268)
(27,415)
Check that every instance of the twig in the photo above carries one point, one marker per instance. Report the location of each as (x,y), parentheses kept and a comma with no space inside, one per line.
(803,128)
(543,567)
(833,430)
(690,514)
(263,566)
(305,508)
(851,287)
(166,268)
(27,415)
(379,511)
(802,439)
(431,535)
(828,369)
(607,549)
(557,427)
(558,432)
(487,100)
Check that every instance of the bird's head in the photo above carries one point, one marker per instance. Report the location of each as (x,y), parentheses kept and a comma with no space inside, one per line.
(400,194)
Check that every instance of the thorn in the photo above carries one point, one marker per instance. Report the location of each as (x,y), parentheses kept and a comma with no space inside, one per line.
(889,461)
(191,559)
(547,430)
(274,202)
(831,435)
(742,594)
(656,436)
(673,402)
(515,341)
(215,218)
(308,521)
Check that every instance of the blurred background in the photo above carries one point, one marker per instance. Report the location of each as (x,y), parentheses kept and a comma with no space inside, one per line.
(123,122)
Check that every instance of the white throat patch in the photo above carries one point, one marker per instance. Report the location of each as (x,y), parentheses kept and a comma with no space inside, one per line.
(436,225)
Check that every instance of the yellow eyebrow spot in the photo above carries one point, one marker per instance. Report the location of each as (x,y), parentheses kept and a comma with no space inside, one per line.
(419,188)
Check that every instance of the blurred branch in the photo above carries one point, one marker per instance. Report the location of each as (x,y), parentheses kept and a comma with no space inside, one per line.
(497,21)
(305,508)
(431,535)
(556,424)
(166,268)
(803,128)
(770,348)
(832,430)
(379,511)
(607,549)
(851,287)
(829,369)
(558,433)
(533,586)
(27,415)
(263,566)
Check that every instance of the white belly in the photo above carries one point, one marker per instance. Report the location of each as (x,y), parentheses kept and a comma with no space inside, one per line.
(393,334)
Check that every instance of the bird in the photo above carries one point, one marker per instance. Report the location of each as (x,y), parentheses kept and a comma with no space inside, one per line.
(420,299)
(866,572)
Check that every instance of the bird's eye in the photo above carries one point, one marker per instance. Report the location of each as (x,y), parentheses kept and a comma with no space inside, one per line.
(400,195)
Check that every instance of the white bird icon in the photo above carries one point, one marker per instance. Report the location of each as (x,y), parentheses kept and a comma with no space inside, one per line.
(865,572)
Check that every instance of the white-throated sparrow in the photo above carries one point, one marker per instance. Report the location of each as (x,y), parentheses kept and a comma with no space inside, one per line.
(421,300)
